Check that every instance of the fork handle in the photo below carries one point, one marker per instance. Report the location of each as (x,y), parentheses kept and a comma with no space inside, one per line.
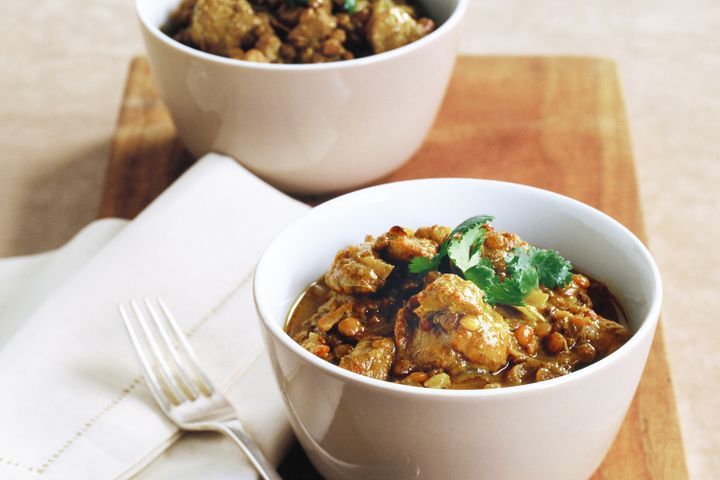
(234,429)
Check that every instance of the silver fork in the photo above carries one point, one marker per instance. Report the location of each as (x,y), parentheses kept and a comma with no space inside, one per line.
(183,391)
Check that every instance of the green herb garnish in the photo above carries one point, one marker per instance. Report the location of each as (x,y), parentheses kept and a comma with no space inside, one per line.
(527,268)
(350,6)
(512,291)
(472,224)
(422,264)
(464,249)
(552,269)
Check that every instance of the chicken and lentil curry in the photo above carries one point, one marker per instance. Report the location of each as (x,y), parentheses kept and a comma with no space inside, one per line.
(469,308)
(297,31)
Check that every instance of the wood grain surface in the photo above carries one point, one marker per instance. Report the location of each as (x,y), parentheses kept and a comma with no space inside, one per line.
(553,122)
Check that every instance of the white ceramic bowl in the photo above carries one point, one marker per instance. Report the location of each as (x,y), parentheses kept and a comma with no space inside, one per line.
(357,427)
(306,128)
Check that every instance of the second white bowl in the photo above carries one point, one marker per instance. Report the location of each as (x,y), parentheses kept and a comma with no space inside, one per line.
(306,128)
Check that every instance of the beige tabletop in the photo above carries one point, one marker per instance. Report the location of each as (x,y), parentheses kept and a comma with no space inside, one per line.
(65,64)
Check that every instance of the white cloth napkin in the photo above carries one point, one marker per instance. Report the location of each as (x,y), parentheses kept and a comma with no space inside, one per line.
(72,402)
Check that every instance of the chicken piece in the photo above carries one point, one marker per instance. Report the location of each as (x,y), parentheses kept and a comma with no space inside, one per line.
(487,345)
(454,329)
(402,244)
(609,337)
(450,294)
(314,26)
(371,357)
(357,270)
(316,36)
(330,319)
(317,345)
(436,233)
(268,43)
(393,25)
(219,26)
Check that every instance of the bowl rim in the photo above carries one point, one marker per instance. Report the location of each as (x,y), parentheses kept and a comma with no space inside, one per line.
(647,327)
(450,24)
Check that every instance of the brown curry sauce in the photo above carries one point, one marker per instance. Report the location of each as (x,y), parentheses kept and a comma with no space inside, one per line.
(434,330)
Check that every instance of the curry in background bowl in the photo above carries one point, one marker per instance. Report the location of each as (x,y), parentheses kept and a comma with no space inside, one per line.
(297,31)
(466,308)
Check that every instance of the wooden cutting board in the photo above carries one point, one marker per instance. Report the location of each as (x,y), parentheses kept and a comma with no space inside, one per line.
(555,123)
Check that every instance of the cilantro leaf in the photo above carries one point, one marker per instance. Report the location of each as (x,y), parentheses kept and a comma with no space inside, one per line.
(553,270)
(527,268)
(464,250)
(512,291)
(471,223)
(423,264)
(350,6)
(518,260)
(483,274)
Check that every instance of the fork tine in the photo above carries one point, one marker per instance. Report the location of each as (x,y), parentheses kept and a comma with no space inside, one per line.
(181,339)
(182,369)
(147,368)
(167,375)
